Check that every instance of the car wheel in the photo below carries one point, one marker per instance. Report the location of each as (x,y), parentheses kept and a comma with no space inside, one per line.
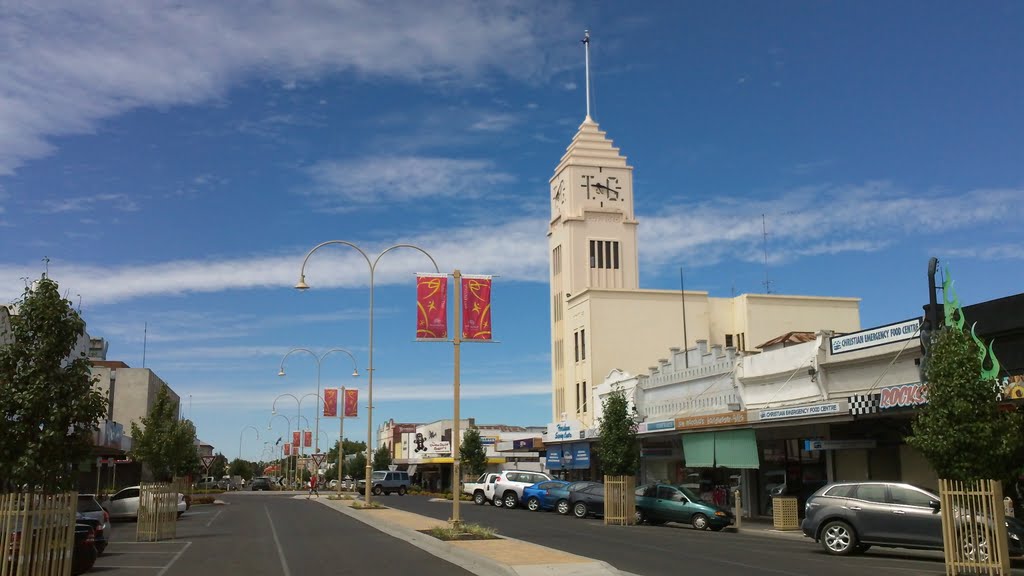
(478,498)
(533,504)
(976,548)
(837,538)
(562,507)
(496,502)
(401,490)
(377,490)
(580,510)
(699,521)
(640,517)
(511,500)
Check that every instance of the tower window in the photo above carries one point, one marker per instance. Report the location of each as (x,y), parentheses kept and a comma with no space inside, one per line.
(584,395)
(728,340)
(604,254)
(576,341)
(583,344)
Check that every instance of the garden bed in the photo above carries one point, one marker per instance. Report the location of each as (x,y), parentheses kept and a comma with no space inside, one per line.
(466,532)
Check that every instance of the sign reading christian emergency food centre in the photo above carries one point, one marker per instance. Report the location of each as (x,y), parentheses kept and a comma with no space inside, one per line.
(872,337)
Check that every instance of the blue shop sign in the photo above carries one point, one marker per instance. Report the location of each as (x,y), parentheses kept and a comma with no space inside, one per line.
(581,456)
(554,458)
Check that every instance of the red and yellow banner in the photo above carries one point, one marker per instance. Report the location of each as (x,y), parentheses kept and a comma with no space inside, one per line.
(351,403)
(287,449)
(307,438)
(476,307)
(330,402)
(432,306)
(295,438)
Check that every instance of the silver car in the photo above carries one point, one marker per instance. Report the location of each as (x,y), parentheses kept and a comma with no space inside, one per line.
(849,517)
(125,504)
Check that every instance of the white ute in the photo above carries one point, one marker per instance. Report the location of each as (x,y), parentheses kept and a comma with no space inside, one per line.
(482,490)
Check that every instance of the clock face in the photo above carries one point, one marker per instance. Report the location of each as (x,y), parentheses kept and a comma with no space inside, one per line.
(612,188)
(588,183)
(558,192)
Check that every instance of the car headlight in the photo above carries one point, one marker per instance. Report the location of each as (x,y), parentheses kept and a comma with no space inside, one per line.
(720,513)
(1014,536)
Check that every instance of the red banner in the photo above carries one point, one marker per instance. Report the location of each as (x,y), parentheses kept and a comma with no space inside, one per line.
(287,449)
(476,307)
(330,402)
(308,438)
(351,403)
(432,306)
(295,438)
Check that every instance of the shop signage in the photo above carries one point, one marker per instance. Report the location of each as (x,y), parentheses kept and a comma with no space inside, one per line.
(903,396)
(810,411)
(436,447)
(872,337)
(711,420)
(488,440)
(554,459)
(838,444)
(524,444)
(564,431)
(655,426)
(581,456)
(655,451)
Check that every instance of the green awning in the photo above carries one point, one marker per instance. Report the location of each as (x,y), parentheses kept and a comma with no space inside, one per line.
(725,449)
(736,449)
(699,449)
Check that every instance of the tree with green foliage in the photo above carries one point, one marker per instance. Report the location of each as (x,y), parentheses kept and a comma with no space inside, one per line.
(961,431)
(472,453)
(219,466)
(618,450)
(49,409)
(381,458)
(242,468)
(165,444)
(356,467)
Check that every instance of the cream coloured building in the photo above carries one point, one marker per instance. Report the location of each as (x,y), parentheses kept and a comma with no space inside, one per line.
(602,320)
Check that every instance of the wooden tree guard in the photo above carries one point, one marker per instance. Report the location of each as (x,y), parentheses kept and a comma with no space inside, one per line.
(974,534)
(619,500)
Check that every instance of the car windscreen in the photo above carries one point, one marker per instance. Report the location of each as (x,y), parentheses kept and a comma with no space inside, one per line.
(88,504)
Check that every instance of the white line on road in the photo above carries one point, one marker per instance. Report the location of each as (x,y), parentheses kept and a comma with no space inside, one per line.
(277,541)
(126,566)
(175,559)
(214,518)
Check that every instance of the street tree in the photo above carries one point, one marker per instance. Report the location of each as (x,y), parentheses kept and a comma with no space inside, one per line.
(163,443)
(356,467)
(49,408)
(961,431)
(241,468)
(381,458)
(618,451)
(219,466)
(472,453)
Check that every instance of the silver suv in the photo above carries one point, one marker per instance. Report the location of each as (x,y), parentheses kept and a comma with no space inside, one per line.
(386,482)
(508,489)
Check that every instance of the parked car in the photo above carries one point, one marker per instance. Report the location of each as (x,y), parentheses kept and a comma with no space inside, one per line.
(386,482)
(84,554)
(850,517)
(125,503)
(539,497)
(509,485)
(260,483)
(89,508)
(560,495)
(587,501)
(482,490)
(660,503)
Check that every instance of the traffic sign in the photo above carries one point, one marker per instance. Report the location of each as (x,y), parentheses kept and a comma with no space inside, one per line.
(392,467)
(207,460)
(318,458)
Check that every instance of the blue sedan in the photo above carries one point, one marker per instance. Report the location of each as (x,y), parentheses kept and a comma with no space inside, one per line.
(539,496)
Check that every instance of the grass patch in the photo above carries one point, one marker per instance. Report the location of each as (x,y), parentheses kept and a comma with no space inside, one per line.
(364,506)
(341,497)
(466,532)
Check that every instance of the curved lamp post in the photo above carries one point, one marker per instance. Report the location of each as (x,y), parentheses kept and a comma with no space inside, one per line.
(240,433)
(319,360)
(372,264)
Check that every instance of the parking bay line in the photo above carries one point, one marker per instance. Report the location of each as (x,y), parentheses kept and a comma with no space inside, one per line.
(219,512)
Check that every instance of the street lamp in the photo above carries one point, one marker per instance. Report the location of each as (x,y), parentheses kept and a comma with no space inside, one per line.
(301,285)
(319,360)
(240,438)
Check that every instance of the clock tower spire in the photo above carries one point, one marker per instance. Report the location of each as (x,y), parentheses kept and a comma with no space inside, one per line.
(586,60)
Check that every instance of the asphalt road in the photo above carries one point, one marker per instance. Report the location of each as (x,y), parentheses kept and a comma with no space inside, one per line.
(670,550)
(266,534)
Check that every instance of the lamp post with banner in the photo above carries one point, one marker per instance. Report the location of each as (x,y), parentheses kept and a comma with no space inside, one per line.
(319,360)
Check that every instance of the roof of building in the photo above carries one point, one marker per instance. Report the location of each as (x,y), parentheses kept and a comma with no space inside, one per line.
(109,363)
(789,338)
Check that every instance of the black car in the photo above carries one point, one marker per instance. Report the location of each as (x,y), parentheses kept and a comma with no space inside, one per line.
(99,534)
(261,483)
(587,501)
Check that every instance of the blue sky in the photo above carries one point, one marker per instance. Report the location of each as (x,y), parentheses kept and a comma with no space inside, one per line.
(176,163)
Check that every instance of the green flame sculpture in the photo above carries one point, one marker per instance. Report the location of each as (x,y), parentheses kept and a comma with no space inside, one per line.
(955,319)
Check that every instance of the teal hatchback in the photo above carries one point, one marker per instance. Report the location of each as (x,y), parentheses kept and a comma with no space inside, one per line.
(660,503)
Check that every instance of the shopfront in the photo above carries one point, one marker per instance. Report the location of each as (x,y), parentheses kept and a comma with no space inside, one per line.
(570,461)
(718,455)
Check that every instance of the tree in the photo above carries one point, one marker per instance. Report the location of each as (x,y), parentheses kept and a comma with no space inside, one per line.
(48,406)
(166,445)
(241,468)
(356,467)
(382,458)
(219,466)
(961,431)
(618,449)
(472,453)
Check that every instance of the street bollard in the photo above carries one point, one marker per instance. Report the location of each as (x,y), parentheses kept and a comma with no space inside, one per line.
(739,508)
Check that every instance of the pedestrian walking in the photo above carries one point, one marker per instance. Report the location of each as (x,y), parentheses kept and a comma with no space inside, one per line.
(313,487)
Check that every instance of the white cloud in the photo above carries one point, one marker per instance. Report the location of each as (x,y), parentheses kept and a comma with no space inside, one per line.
(495,122)
(994,252)
(84,203)
(341,183)
(67,66)
(569,85)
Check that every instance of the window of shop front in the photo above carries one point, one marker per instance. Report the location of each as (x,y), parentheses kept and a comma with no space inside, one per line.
(788,470)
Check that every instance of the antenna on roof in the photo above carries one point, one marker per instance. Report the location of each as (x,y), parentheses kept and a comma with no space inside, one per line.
(586,52)
(46,266)
(145,337)
(764,238)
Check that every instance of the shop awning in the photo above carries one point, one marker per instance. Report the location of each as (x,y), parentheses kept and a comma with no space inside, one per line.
(699,450)
(725,449)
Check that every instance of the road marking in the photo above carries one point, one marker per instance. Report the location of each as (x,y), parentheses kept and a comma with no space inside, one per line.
(277,541)
(126,566)
(173,560)
(214,518)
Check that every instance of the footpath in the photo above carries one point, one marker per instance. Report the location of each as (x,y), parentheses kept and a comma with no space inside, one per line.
(499,557)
